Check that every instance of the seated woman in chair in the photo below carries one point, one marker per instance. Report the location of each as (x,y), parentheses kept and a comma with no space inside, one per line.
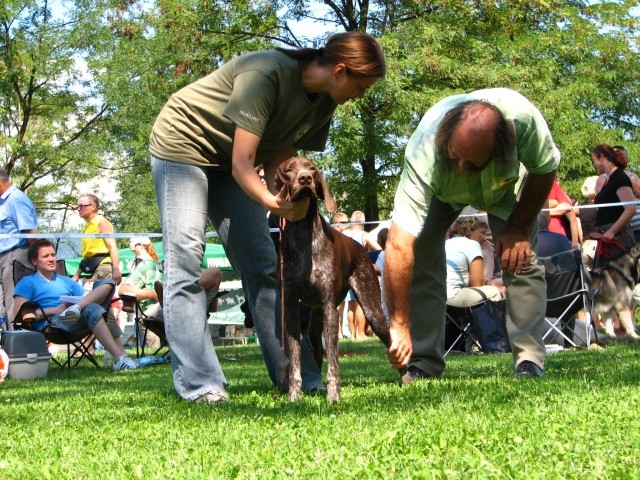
(465,266)
(143,250)
(141,284)
(45,287)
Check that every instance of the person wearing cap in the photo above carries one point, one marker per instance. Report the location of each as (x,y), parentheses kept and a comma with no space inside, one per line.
(144,270)
(143,250)
(143,277)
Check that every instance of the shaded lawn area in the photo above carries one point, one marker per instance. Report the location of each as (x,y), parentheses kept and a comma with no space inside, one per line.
(580,421)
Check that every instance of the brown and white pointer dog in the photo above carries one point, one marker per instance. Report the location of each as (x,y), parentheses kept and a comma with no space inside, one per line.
(319,266)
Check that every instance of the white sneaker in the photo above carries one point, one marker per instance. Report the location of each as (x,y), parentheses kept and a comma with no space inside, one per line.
(213,397)
(70,315)
(125,363)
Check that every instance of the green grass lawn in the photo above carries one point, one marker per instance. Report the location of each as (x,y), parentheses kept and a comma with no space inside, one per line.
(580,421)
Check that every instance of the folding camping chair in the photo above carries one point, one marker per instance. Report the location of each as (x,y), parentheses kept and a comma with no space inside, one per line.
(144,324)
(78,343)
(567,294)
(458,329)
(481,325)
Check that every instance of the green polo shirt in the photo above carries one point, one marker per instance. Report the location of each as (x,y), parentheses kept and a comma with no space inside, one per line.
(494,189)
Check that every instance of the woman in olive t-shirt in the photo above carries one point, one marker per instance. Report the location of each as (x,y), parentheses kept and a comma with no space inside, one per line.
(207,142)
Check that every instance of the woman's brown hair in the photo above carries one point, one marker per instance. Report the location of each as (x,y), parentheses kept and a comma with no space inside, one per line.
(151,250)
(359,51)
(615,156)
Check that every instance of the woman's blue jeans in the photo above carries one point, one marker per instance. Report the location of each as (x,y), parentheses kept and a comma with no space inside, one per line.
(187,197)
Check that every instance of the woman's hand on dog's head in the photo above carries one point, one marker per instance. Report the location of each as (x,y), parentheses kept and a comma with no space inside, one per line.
(292,211)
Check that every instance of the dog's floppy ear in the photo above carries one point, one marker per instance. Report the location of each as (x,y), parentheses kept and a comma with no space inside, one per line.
(281,178)
(322,190)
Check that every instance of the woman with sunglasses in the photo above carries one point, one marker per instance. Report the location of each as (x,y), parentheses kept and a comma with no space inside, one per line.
(207,144)
(100,257)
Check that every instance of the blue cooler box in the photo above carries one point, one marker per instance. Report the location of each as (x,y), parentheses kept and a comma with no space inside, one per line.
(28,354)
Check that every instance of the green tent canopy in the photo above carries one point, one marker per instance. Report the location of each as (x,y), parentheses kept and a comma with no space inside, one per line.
(214,256)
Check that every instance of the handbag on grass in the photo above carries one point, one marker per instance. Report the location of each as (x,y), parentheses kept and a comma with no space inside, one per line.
(488,325)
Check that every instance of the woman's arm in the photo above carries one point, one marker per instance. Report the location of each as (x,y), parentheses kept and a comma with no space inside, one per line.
(245,146)
(574,226)
(105,227)
(476,272)
(76,276)
(271,166)
(625,194)
(139,293)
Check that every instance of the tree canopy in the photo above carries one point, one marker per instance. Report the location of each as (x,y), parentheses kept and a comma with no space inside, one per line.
(80,90)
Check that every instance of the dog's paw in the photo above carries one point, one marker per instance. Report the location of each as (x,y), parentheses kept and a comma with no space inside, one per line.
(333,397)
(294,395)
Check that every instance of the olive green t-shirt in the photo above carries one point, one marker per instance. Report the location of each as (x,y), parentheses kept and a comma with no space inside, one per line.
(260,92)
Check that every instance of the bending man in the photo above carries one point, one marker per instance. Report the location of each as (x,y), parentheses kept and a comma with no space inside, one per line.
(490,149)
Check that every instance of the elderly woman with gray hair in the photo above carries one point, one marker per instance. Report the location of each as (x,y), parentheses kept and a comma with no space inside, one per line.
(466,284)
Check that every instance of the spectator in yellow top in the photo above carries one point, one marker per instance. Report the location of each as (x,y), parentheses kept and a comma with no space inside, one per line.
(100,255)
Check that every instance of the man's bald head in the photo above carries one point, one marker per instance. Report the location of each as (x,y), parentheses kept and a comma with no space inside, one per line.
(472,134)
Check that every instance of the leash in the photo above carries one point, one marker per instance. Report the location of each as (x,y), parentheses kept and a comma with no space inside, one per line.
(604,251)
(283,326)
(283,329)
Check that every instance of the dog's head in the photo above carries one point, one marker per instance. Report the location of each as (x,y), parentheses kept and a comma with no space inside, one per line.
(302,179)
(625,269)
(629,263)
(634,253)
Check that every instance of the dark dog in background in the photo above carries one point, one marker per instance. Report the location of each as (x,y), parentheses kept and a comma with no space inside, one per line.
(614,285)
(319,266)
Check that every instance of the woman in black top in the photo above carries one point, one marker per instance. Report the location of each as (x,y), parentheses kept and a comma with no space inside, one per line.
(612,223)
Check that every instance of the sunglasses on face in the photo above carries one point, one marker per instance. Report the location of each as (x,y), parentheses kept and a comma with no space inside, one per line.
(81,206)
